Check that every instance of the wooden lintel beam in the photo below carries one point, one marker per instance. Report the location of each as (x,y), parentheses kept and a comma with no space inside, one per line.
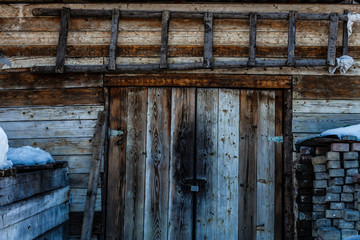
(62,42)
(113,39)
(345,42)
(164,40)
(208,40)
(333,29)
(291,38)
(252,40)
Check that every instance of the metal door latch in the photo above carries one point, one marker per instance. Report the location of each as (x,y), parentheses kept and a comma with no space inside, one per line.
(194,184)
(113,133)
(278,139)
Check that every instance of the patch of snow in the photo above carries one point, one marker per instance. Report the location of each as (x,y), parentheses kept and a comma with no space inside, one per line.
(353,130)
(4,146)
(27,155)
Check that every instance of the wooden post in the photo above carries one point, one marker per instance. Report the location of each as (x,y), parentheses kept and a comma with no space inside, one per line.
(164,39)
(63,34)
(98,146)
(113,39)
(252,39)
(345,36)
(333,29)
(291,38)
(208,40)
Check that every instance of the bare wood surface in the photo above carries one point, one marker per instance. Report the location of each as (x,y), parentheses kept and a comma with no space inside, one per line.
(164,50)
(252,39)
(135,163)
(182,150)
(345,41)
(326,106)
(157,162)
(98,147)
(333,29)
(291,38)
(63,34)
(113,38)
(208,40)
(116,165)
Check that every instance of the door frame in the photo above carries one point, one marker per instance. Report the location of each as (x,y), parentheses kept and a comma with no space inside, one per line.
(257,82)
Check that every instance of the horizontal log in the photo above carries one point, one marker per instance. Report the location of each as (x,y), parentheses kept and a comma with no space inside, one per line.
(326,106)
(77,51)
(316,123)
(76,223)
(329,88)
(60,230)
(53,97)
(198,80)
(41,81)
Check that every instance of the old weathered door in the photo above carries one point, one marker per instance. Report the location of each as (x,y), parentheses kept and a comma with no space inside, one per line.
(194,163)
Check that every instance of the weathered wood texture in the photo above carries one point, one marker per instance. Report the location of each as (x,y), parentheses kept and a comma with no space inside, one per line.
(63,35)
(184,181)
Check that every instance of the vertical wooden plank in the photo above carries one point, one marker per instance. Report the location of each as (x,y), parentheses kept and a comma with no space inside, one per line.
(135,163)
(279,165)
(181,163)
(333,28)
(157,163)
(113,39)
(63,34)
(252,39)
(247,164)
(116,165)
(291,38)
(228,164)
(206,162)
(288,224)
(345,36)
(208,40)
(265,189)
(164,39)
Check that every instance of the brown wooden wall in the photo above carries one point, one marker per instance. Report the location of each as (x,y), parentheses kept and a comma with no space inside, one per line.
(58,112)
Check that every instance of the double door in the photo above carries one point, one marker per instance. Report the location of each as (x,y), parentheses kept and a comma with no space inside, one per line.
(194,163)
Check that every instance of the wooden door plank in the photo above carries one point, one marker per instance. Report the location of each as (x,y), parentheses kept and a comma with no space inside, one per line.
(116,165)
(228,164)
(206,162)
(265,189)
(181,163)
(279,165)
(135,162)
(157,163)
(247,164)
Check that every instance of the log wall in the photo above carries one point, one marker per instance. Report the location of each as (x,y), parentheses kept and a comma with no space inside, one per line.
(58,112)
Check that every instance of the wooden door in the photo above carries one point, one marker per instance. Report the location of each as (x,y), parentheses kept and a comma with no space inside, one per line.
(194,163)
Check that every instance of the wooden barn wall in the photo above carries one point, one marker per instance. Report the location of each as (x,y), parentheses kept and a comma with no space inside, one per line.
(58,112)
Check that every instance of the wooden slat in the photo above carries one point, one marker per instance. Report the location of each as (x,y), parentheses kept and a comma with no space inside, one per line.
(279,166)
(206,162)
(333,29)
(326,88)
(252,39)
(157,163)
(247,164)
(135,163)
(98,149)
(78,197)
(228,164)
(181,163)
(116,165)
(316,123)
(26,185)
(49,113)
(63,34)
(164,52)
(265,154)
(36,225)
(208,40)
(40,81)
(60,232)
(113,38)
(345,41)
(291,38)
(80,180)
(49,129)
(54,97)
(326,106)
(198,80)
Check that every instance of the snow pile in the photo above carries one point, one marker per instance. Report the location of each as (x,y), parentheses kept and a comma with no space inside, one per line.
(4,146)
(343,63)
(29,156)
(353,130)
